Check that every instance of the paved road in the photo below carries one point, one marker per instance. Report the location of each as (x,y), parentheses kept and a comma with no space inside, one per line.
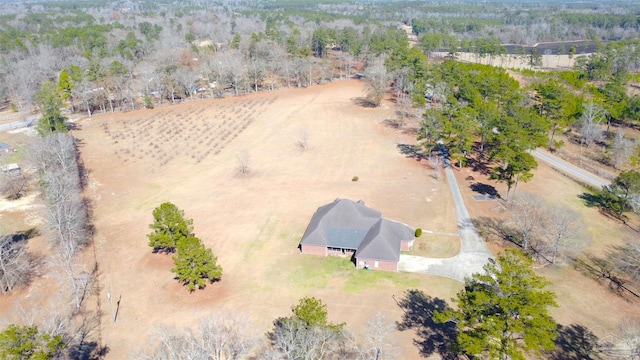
(473,253)
(570,169)
(17,124)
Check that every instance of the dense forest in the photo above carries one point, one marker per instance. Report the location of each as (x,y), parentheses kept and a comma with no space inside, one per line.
(117,53)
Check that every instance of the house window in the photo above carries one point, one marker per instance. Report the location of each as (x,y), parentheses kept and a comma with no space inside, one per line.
(375,264)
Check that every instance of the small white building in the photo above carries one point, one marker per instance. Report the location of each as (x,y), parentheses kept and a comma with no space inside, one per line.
(11,169)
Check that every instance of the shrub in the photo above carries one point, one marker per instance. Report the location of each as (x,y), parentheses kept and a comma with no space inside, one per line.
(572,78)
(355,178)
(148,102)
(418,232)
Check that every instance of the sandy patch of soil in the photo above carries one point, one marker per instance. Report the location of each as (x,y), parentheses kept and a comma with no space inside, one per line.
(549,62)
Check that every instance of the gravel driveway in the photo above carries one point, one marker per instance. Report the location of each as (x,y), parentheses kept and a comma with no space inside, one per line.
(473,254)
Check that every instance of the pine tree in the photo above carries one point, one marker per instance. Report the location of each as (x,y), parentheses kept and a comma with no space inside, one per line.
(504,311)
(50,101)
(168,227)
(64,85)
(25,342)
(195,264)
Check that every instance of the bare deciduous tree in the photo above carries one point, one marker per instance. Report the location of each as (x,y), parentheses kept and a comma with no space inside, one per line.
(378,339)
(626,258)
(226,336)
(294,339)
(629,338)
(17,267)
(257,70)
(234,72)
(622,148)
(54,157)
(220,336)
(592,116)
(186,80)
(73,273)
(560,227)
(243,163)
(13,184)
(524,210)
(299,70)
(303,141)
(377,81)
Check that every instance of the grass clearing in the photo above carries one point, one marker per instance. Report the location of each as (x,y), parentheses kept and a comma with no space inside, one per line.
(317,272)
(437,246)
(359,280)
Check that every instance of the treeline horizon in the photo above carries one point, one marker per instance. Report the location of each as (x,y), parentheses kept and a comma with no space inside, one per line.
(116,53)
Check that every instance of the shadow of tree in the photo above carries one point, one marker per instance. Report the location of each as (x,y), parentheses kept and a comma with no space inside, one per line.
(604,202)
(411,151)
(24,235)
(479,166)
(574,342)
(418,315)
(364,102)
(484,189)
(604,271)
(495,229)
(394,123)
(84,347)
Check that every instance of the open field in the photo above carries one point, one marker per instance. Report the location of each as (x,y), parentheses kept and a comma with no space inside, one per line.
(187,154)
(549,62)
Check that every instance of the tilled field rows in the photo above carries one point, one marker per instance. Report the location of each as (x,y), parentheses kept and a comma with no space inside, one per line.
(168,136)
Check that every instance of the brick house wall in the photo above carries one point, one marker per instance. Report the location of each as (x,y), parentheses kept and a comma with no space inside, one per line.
(381,264)
(313,249)
(406,245)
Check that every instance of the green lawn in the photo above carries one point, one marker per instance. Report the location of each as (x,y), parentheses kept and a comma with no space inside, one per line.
(438,246)
(311,271)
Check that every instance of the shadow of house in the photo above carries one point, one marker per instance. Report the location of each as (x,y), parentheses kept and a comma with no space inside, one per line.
(348,228)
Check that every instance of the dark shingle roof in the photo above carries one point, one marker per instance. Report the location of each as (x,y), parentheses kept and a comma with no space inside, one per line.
(342,224)
(382,242)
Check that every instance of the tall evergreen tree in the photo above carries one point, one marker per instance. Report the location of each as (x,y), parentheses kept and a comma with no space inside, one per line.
(49,100)
(169,226)
(504,312)
(195,264)
(25,342)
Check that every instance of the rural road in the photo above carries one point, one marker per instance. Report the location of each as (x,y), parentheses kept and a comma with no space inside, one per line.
(473,253)
(18,124)
(570,169)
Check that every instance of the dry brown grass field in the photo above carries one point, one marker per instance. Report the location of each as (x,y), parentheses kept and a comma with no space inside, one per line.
(581,300)
(188,154)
